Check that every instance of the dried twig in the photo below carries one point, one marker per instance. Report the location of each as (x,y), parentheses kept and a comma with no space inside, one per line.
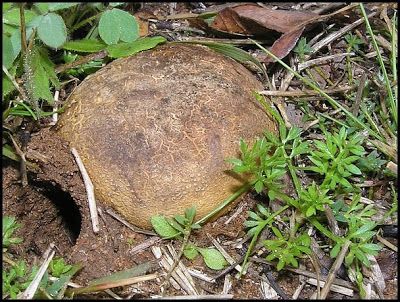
(335,267)
(332,222)
(332,37)
(144,245)
(227,284)
(357,101)
(387,243)
(196,297)
(24,175)
(271,281)
(89,191)
(178,278)
(300,93)
(33,286)
(55,114)
(298,290)
(335,288)
(200,275)
(309,274)
(128,225)
(322,60)
(267,291)
(177,259)
(183,268)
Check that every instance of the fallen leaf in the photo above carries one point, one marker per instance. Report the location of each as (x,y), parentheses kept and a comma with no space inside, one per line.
(228,21)
(284,45)
(252,19)
(142,20)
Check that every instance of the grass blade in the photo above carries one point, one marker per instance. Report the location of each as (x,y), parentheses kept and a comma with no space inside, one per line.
(392,103)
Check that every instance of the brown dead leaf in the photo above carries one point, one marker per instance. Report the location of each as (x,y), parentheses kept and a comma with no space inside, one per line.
(142,20)
(282,47)
(228,21)
(252,19)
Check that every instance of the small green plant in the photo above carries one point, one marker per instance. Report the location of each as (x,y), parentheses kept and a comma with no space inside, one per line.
(353,42)
(17,275)
(334,158)
(360,230)
(58,267)
(286,250)
(267,169)
(372,163)
(17,278)
(179,225)
(10,225)
(302,48)
(313,199)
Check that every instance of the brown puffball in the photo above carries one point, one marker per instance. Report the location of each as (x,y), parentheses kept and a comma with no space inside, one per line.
(154,129)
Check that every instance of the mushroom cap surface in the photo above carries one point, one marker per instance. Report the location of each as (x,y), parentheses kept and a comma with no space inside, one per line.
(153,130)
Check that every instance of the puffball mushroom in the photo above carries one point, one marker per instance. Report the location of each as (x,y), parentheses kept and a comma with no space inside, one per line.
(153,130)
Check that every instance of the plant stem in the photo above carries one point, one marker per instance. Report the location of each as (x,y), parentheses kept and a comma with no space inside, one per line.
(315,87)
(392,103)
(227,201)
(324,230)
(178,258)
(84,22)
(292,171)
(393,54)
(23,29)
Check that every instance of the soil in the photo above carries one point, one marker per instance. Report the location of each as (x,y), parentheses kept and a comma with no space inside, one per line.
(53,208)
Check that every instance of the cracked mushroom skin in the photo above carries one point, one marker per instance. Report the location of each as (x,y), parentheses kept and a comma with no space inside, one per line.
(154,129)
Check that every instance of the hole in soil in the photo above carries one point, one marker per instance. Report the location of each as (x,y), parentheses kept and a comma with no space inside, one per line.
(66,207)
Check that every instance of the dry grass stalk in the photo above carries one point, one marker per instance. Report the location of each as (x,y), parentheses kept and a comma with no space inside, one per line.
(335,267)
(200,275)
(334,36)
(196,297)
(375,273)
(387,243)
(227,284)
(298,290)
(335,288)
(128,225)
(144,245)
(164,264)
(322,60)
(33,286)
(300,93)
(309,274)
(267,291)
(167,262)
(89,191)
(182,267)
